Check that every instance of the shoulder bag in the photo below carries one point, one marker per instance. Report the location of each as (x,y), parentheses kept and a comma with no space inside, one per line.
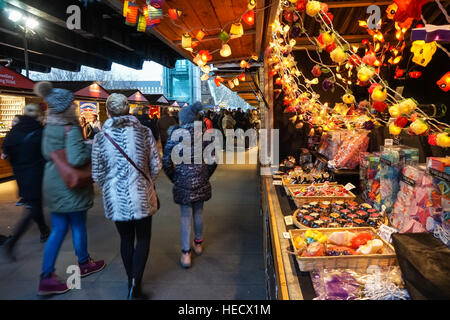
(132,163)
(72,177)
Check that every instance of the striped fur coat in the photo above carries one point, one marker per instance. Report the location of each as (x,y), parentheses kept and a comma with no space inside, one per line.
(127,195)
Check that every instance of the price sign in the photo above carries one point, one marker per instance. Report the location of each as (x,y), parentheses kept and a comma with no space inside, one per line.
(277,183)
(386,232)
(349,186)
(286,235)
(288,220)
(388,142)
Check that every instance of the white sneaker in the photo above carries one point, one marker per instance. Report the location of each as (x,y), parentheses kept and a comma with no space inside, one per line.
(185,260)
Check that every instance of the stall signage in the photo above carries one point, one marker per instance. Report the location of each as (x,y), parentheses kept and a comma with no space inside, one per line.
(386,232)
(9,78)
(386,162)
(88,110)
(439,174)
(408,180)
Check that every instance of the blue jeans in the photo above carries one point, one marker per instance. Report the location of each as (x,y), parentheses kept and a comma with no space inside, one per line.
(186,217)
(60,225)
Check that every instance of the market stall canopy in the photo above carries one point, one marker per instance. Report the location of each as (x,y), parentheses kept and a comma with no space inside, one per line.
(85,89)
(12,79)
(101,39)
(157,99)
(174,103)
(212,16)
(134,96)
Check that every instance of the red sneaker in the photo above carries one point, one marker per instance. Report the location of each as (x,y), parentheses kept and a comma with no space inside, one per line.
(52,285)
(91,267)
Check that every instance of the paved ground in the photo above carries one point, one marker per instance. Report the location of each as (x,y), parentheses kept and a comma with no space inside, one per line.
(232,266)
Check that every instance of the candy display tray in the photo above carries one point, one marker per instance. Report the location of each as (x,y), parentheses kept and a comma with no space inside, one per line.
(384,259)
(287,184)
(300,225)
(301,200)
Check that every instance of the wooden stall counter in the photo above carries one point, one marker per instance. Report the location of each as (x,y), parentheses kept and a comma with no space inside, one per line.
(5,168)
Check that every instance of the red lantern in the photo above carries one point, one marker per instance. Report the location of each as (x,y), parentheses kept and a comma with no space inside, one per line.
(132,14)
(444,82)
(174,14)
(278,81)
(379,106)
(245,64)
(415,74)
(398,73)
(365,42)
(242,77)
(205,56)
(218,81)
(249,17)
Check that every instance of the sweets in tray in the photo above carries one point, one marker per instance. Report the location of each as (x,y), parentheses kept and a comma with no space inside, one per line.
(341,248)
(337,214)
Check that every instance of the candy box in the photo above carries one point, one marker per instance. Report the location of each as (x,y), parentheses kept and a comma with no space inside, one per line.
(439,164)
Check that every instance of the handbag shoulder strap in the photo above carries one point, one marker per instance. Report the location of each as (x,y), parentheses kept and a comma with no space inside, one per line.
(125,155)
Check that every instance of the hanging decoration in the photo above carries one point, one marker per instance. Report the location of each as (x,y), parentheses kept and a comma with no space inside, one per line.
(423,52)
(236,31)
(249,17)
(225,51)
(444,82)
(175,14)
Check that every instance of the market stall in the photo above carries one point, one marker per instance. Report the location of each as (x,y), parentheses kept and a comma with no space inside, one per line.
(156,102)
(364,150)
(90,97)
(15,92)
(136,99)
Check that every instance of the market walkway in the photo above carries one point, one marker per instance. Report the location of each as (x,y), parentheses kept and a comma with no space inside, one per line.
(232,266)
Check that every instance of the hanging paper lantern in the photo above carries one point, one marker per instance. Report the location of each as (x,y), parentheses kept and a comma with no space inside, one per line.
(174,14)
(142,24)
(156,3)
(301,5)
(278,81)
(244,64)
(419,126)
(379,94)
(444,82)
(409,9)
(236,31)
(200,35)
(365,73)
(205,56)
(328,18)
(155,13)
(249,17)
(401,122)
(415,74)
(224,36)
(329,48)
(132,14)
(251,4)
(394,111)
(372,87)
(125,8)
(198,60)
(225,51)
(204,77)
(423,52)
(398,73)
(236,82)
(391,10)
(186,41)
(338,55)
(313,8)
(218,81)
(194,44)
(394,130)
(379,106)
(407,106)
(326,38)
(348,98)
(316,71)
(242,77)
(369,59)
(206,69)
(432,139)
(443,140)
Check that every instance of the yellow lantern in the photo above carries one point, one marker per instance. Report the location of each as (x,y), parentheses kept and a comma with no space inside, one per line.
(204,77)
(348,98)
(365,74)
(394,111)
(338,55)
(200,35)
(236,31)
(125,8)
(419,126)
(407,106)
(313,8)
(236,81)
(251,4)
(394,130)
(225,51)
(443,140)
(206,69)
(230,84)
(186,41)
(379,94)
(198,60)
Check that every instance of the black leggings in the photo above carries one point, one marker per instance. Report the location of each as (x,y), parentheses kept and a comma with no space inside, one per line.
(135,259)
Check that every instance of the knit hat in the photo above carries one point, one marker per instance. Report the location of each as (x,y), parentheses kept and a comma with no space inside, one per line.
(57,99)
(117,104)
(189,114)
(32,110)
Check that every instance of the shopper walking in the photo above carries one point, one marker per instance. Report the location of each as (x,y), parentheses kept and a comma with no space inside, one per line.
(228,123)
(68,207)
(164,123)
(191,183)
(22,146)
(125,164)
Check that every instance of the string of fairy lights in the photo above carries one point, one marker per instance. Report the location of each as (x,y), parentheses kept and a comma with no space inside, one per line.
(301,98)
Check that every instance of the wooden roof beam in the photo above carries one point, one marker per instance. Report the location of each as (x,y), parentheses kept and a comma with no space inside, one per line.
(358,3)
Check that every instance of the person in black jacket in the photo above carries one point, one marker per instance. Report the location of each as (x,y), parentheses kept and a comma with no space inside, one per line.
(191,181)
(22,146)
(148,122)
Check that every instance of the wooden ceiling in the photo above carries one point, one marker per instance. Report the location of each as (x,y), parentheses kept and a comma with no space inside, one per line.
(212,16)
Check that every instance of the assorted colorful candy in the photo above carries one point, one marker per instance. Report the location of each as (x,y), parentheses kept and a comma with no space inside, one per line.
(325,190)
(338,214)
